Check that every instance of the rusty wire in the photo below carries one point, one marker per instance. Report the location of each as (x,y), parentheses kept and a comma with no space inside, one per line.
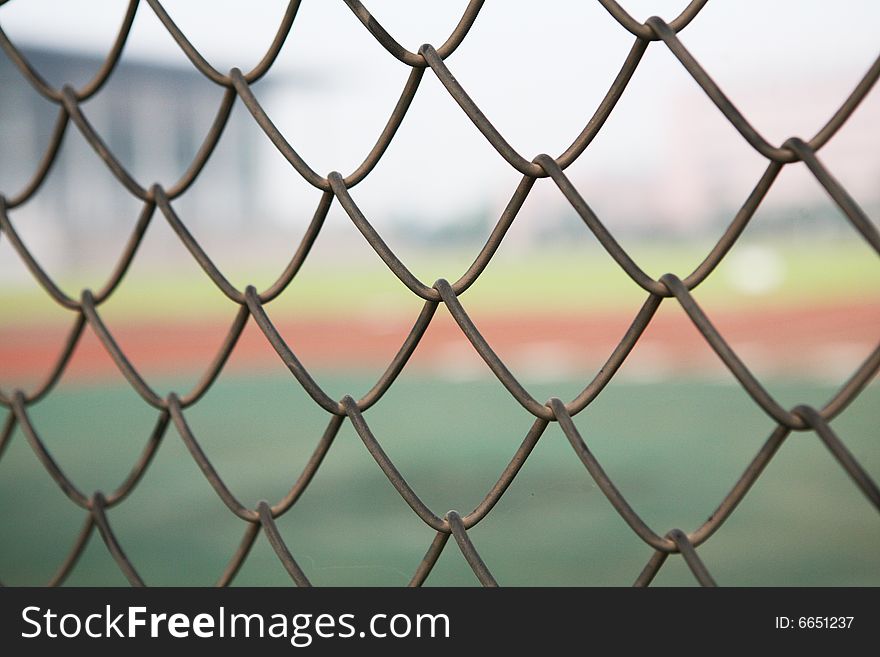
(335,187)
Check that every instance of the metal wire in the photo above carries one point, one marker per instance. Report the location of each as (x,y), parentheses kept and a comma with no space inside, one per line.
(335,187)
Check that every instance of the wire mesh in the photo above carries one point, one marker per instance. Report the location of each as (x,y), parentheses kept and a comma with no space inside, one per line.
(252,303)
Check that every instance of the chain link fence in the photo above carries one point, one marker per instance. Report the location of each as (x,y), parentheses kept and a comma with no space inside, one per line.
(335,187)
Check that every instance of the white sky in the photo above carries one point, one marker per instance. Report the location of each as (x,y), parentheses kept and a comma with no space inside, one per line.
(537,70)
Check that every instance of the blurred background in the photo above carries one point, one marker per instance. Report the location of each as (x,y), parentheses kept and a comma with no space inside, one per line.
(797,297)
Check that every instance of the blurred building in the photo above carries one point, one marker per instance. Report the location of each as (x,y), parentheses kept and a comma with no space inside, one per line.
(693,171)
(690,169)
(710,168)
(153,118)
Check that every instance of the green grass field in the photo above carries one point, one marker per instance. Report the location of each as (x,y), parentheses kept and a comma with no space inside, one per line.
(674,451)
(546,280)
